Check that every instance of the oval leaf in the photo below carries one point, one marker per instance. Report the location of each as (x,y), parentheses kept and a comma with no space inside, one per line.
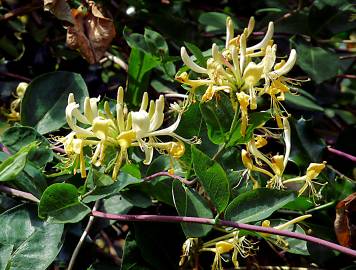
(257,204)
(60,202)
(213,178)
(36,243)
(45,100)
(189,203)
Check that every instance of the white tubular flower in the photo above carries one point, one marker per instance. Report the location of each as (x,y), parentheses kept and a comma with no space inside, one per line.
(145,126)
(229,31)
(286,67)
(242,51)
(251,26)
(287,140)
(91,108)
(264,42)
(73,114)
(189,62)
(236,64)
(217,56)
(269,59)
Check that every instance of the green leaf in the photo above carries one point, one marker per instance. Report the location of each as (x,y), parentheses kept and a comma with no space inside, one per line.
(300,204)
(18,136)
(132,258)
(306,146)
(36,243)
(257,204)
(189,203)
(45,100)
(140,65)
(14,165)
(218,115)
(213,178)
(197,53)
(100,192)
(213,21)
(256,120)
(155,42)
(135,40)
(318,63)
(60,202)
(5,254)
(303,103)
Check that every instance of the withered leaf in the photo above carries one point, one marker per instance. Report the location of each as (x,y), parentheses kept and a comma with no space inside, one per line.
(60,9)
(345,227)
(91,33)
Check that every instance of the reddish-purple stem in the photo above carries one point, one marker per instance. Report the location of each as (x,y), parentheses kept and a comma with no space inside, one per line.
(19,193)
(341,154)
(155,175)
(177,219)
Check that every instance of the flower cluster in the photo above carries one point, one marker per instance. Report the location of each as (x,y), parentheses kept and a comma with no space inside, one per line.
(246,73)
(243,72)
(101,130)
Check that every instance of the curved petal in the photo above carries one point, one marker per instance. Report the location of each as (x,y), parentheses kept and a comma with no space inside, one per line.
(189,62)
(286,67)
(263,43)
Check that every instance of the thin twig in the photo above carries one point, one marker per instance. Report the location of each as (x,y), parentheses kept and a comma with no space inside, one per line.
(269,230)
(155,175)
(36,4)
(340,174)
(347,57)
(220,150)
(117,60)
(18,193)
(82,238)
(346,76)
(15,76)
(341,154)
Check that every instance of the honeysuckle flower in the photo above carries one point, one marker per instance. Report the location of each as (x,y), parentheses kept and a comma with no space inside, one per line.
(100,130)
(234,69)
(279,240)
(239,245)
(313,171)
(276,163)
(14,114)
(147,124)
(243,100)
(189,249)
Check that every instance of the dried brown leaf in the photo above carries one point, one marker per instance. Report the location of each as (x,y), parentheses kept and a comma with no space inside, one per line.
(60,9)
(344,228)
(91,33)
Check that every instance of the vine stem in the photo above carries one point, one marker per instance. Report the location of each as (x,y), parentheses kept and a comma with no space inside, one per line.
(19,193)
(163,173)
(341,154)
(242,226)
(82,238)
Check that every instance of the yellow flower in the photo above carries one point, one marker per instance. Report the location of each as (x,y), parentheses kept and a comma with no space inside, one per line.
(312,173)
